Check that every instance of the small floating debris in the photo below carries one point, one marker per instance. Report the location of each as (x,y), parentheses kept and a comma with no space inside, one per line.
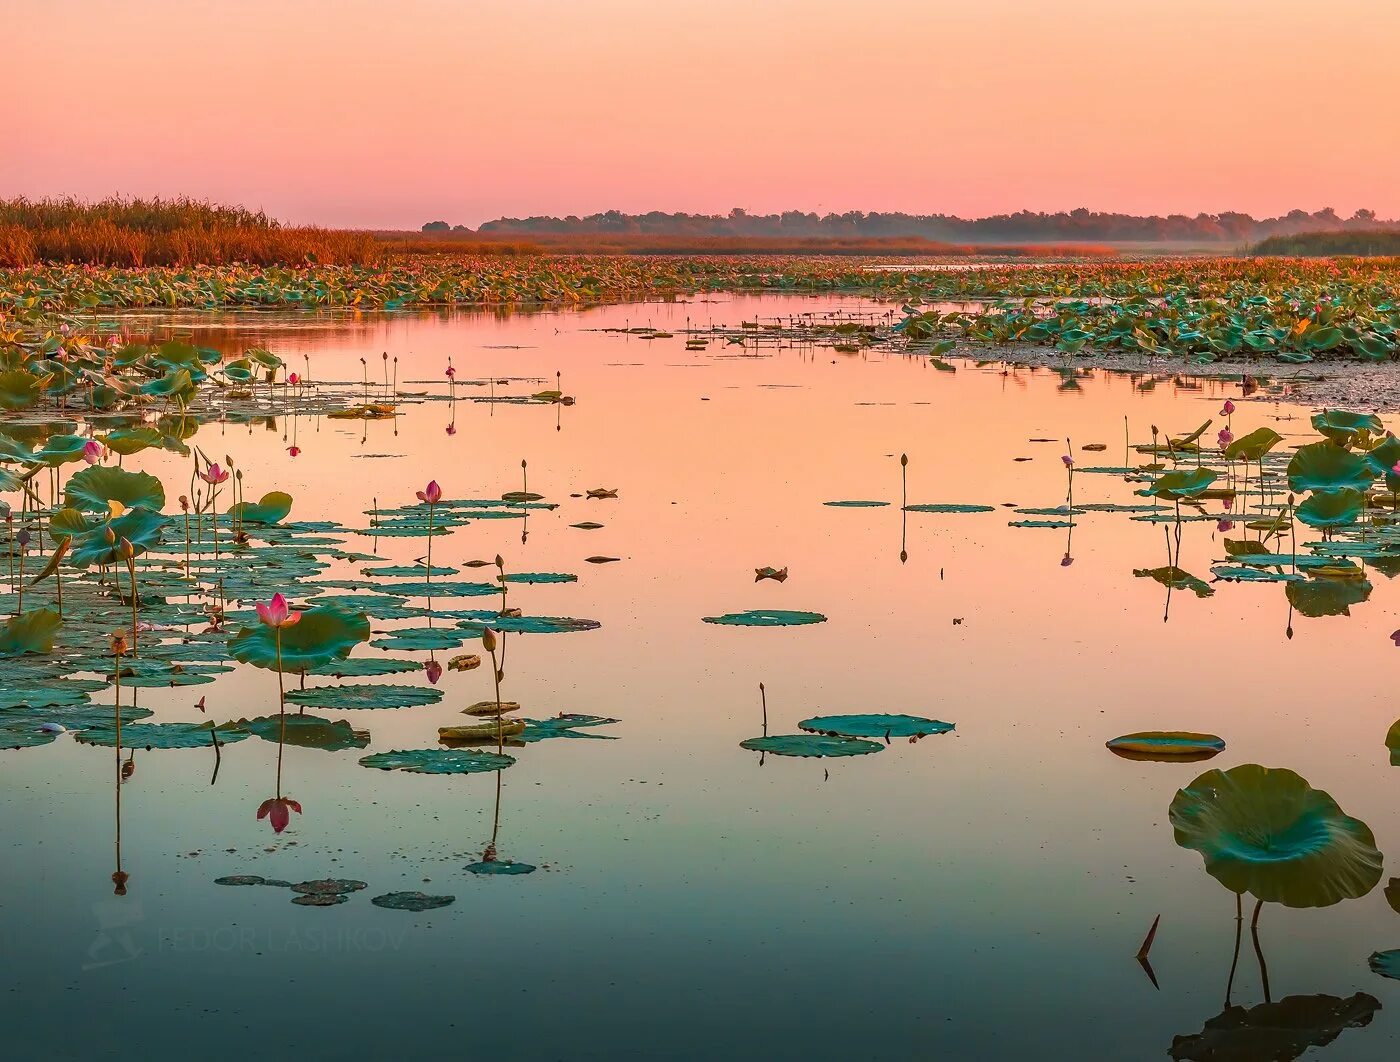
(599,493)
(601,560)
(777,575)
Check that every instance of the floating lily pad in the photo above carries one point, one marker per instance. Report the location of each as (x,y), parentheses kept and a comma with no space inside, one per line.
(525,624)
(1176,579)
(874,726)
(811,745)
(587,525)
(241,879)
(1167,745)
(438,761)
(416,639)
(505,867)
(307,731)
(329,887)
(1386,963)
(321,899)
(856,504)
(766,617)
(948,507)
(540,577)
(1041,523)
(411,901)
(162,735)
(564,726)
(407,571)
(365,667)
(371,695)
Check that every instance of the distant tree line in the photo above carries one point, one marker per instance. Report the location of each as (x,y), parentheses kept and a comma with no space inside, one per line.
(1075,226)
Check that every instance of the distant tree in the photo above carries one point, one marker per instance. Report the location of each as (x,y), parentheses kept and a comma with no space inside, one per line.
(437,226)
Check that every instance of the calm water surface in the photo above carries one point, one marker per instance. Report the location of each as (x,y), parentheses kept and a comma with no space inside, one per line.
(977,895)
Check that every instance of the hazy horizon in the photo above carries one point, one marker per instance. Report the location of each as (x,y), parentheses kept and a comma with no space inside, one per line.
(336,115)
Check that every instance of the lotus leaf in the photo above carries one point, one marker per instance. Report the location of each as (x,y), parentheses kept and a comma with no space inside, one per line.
(874,726)
(1267,832)
(322,635)
(439,761)
(272,509)
(411,901)
(364,696)
(811,745)
(766,617)
(1325,466)
(1173,745)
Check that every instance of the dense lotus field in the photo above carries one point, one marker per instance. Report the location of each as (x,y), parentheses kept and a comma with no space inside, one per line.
(1202,309)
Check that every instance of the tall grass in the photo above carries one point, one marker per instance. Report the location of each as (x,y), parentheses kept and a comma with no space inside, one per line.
(178,232)
(1382,243)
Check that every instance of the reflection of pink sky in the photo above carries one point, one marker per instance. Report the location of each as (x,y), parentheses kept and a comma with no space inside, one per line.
(360,113)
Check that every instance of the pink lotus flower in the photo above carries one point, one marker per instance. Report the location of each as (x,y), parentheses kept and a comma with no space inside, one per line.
(452,429)
(1395,468)
(213,475)
(433,670)
(1226,437)
(1225,525)
(1227,408)
(1066,561)
(1069,461)
(92,451)
(293,379)
(276,613)
(432,493)
(1395,637)
(294,450)
(278,811)
(451,373)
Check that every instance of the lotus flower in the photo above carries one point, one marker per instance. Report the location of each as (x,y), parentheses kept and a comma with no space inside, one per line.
(293,379)
(433,670)
(294,450)
(276,613)
(214,475)
(92,451)
(1224,525)
(451,373)
(432,493)
(1069,461)
(1226,437)
(1396,638)
(1227,408)
(278,811)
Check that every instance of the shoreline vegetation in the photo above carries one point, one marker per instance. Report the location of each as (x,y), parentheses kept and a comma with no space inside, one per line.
(1203,308)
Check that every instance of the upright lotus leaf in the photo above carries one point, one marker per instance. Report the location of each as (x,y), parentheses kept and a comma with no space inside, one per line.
(1382,458)
(60,450)
(30,632)
(132,440)
(1392,742)
(1267,832)
(1329,509)
(1327,466)
(141,527)
(1180,484)
(272,509)
(1254,446)
(1279,1031)
(1344,428)
(324,633)
(94,488)
(19,389)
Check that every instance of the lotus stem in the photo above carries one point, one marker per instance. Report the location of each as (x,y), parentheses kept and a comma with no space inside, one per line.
(763,696)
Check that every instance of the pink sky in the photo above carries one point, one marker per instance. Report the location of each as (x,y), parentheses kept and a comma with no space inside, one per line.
(348,112)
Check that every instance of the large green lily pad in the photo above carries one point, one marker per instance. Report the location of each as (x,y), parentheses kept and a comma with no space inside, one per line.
(93,488)
(307,731)
(438,761)
(411,901)
(766,617)
(1326,466)
(811,745)
(1167,745)
(31,632)
(875,725)
(1267,832)
(364,696)
(162,735)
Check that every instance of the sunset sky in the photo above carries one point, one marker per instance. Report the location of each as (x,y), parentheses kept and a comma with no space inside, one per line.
(356,113)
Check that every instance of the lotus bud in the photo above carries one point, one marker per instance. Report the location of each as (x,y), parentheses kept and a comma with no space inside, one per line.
(488,639)
(23,537)
(110,536)
(904,460)
(184,503)
(118,642)
(119,879)
(499,562)
(125,550)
